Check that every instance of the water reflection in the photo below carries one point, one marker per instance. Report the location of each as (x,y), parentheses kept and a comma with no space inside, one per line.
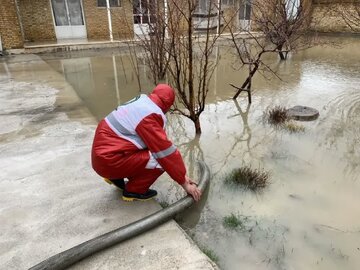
(191,216)
(308,217)
(246,132)
(102,82)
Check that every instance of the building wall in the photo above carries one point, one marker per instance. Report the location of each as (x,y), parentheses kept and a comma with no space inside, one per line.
(9,25)
(327,16)
(97,21)
(259,8)
(231,17)
(38,25)
(37,20)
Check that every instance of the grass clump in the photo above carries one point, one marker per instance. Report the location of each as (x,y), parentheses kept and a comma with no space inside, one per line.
(248,178)
(210,253)
(164,204)
(277,115)
(293,127)
(232,222)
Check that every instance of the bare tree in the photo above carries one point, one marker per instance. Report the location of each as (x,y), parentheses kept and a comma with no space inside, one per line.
(152,15)
(282,27)
(284,23)
(179,44)
(250,51)
(191,65)
(350,13)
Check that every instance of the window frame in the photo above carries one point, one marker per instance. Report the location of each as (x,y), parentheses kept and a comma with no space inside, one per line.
(228,3)
(110,2)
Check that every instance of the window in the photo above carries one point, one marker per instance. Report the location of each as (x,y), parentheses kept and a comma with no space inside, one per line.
(204,6)
(228,2)
(113,3)
(245,10)
(292,8)
(144,11)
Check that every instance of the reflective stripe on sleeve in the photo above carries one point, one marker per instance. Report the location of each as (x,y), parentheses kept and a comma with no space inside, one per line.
(165,153)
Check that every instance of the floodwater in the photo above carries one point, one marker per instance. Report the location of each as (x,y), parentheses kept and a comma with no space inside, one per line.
(308,217)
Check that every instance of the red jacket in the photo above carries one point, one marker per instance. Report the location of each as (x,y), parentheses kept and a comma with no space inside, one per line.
(135,126)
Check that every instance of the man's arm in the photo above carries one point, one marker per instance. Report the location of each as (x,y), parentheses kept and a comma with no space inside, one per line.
(151,131)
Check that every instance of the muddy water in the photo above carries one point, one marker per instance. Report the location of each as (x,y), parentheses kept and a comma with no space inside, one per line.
(308,217)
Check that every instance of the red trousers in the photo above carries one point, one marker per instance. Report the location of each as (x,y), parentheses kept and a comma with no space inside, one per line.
(140,178)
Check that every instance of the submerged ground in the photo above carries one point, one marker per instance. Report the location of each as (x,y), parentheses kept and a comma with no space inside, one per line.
(307,218)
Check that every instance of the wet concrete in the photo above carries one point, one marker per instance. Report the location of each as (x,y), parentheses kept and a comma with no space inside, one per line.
(50,199)
(307,218)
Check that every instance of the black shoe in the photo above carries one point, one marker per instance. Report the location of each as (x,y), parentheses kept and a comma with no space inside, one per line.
(129,197)
(120,183)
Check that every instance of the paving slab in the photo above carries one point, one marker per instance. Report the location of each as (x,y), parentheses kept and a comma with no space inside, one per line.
(50,198)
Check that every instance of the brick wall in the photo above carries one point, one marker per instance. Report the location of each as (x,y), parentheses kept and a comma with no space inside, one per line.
(259,8)
(231,18)
(37,20)
(9,25)
(97,21)
(327,15)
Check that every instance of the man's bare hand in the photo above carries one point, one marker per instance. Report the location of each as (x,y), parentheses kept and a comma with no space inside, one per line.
(191,188)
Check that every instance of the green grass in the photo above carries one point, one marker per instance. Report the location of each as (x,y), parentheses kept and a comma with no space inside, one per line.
(210,253)
(164,204)
(279,118)
(248,178)
(233,222)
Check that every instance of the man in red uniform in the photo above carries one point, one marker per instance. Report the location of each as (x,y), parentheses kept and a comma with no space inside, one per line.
(131,143)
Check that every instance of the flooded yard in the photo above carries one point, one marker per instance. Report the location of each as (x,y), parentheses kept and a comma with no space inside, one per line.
(308,217)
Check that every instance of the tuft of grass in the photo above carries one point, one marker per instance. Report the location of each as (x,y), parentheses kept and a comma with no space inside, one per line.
(248,178)
(277,115)
(293,127)
(164,204)
(232,222)
(210,253)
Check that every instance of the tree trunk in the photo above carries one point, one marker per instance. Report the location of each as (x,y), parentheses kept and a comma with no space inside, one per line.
(281,53)
(197,126)
(247,83)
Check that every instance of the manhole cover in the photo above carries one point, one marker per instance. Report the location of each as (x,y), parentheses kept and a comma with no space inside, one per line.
(303,113)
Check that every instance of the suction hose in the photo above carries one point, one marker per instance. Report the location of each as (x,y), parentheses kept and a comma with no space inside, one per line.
(79,252)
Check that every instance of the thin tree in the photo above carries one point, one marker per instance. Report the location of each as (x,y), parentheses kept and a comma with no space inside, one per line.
(177,49)
(192,62)
(250,52)
(350,13)
(282,25)
(153,36)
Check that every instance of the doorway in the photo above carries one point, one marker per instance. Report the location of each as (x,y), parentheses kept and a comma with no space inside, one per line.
(68,19)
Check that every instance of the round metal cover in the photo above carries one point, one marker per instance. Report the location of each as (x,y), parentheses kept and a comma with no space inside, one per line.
(303,113)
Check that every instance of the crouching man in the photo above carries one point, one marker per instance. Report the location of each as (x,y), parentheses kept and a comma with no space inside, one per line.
(131,143)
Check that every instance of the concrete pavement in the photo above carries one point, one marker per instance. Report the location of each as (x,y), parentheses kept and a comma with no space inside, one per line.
(50,199)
